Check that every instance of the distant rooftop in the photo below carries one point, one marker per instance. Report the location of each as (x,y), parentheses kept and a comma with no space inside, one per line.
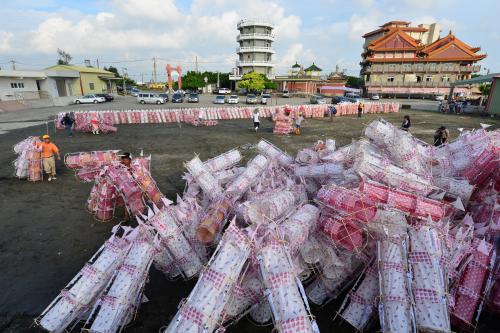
(313,68)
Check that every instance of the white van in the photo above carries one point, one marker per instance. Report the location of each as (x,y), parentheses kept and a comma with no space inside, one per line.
(149,98)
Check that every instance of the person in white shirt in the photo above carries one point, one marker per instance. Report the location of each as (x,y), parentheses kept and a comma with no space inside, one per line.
(256,121)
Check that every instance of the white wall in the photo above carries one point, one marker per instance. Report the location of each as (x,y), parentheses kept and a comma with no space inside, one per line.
(8,93)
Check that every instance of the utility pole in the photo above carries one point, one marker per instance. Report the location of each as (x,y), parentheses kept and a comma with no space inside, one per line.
(142,78)
(154,69)
(218,83)
(196,64)
(124,70)
(97,62)
(13,62)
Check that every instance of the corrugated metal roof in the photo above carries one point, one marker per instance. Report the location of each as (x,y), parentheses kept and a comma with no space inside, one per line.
(81,69)
(22,74)
(479,79)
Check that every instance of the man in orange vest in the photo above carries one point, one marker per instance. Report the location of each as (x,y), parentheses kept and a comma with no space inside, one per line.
(48,150)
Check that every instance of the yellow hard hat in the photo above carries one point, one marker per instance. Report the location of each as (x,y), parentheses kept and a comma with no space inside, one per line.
(46,136)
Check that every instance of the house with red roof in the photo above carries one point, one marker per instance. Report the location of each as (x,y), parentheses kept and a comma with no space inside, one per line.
(400,60)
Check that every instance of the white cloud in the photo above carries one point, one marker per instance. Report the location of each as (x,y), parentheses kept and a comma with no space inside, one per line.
(5,41)
(296,52)
(158,10)
(359,25)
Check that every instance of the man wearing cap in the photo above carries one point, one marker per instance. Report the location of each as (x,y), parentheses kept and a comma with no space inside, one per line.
(48,150)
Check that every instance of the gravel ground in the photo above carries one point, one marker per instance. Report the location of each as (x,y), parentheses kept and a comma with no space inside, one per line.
(47,236)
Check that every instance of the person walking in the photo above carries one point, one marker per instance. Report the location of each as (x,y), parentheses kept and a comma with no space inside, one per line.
(68,122)
(256,121)
(298,124)
(405,126)
(360,109)
(48,150)
(441,136)
(94,123)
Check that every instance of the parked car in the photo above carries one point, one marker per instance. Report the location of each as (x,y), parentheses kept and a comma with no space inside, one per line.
(285,94)
(251,99)
(134,92)
(193,98)
(233,99)
(107,97)
(439,97)
(354,98)
(149,98)
(164,96)
(177,97)
(265,98)
(224,91)
(219,99)
(316,99)
(339,99)
(89,99)
(182,92)
(375,97)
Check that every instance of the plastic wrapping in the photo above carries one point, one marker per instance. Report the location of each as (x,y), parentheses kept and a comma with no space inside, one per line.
(204,178)
(284,291)
(274,153)
(395,309)
(124,293)
(467,296)
(361,302)
(76,298)
(203,309)
(174,240)
(223,161)
(428,287)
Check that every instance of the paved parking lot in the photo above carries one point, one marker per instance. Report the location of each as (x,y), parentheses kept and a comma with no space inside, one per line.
(30,117)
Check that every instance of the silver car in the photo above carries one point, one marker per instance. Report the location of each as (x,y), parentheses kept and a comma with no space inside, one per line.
(219,99)
(251,99)
(265,98)
(317,100)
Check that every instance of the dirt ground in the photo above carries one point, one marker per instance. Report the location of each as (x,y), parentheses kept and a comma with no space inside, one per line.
(47,236)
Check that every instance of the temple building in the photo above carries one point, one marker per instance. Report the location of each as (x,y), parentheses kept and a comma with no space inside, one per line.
(309,81)
(403,60)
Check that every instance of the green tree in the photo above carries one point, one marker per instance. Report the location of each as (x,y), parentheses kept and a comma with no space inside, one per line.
(128,81)
(192,80)
(485,88)
(212,78)
(354,82)
(112,70)
(253,81)
(64,57)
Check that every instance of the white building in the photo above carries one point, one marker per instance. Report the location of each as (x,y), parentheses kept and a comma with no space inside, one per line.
(37,88)
(255,52)
(20,85)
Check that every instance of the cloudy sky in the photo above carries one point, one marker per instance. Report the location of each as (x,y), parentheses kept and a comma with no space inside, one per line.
(129,33)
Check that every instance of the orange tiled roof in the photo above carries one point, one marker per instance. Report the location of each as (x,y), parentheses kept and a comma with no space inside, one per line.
(394,33)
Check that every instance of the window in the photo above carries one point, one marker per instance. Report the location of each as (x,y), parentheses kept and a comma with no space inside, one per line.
(12,84)
(445,78)
(407,67)
(21,84)
(392,67)
(428,78)
(91,85)
(432,66)
(390,79)
(420,67)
